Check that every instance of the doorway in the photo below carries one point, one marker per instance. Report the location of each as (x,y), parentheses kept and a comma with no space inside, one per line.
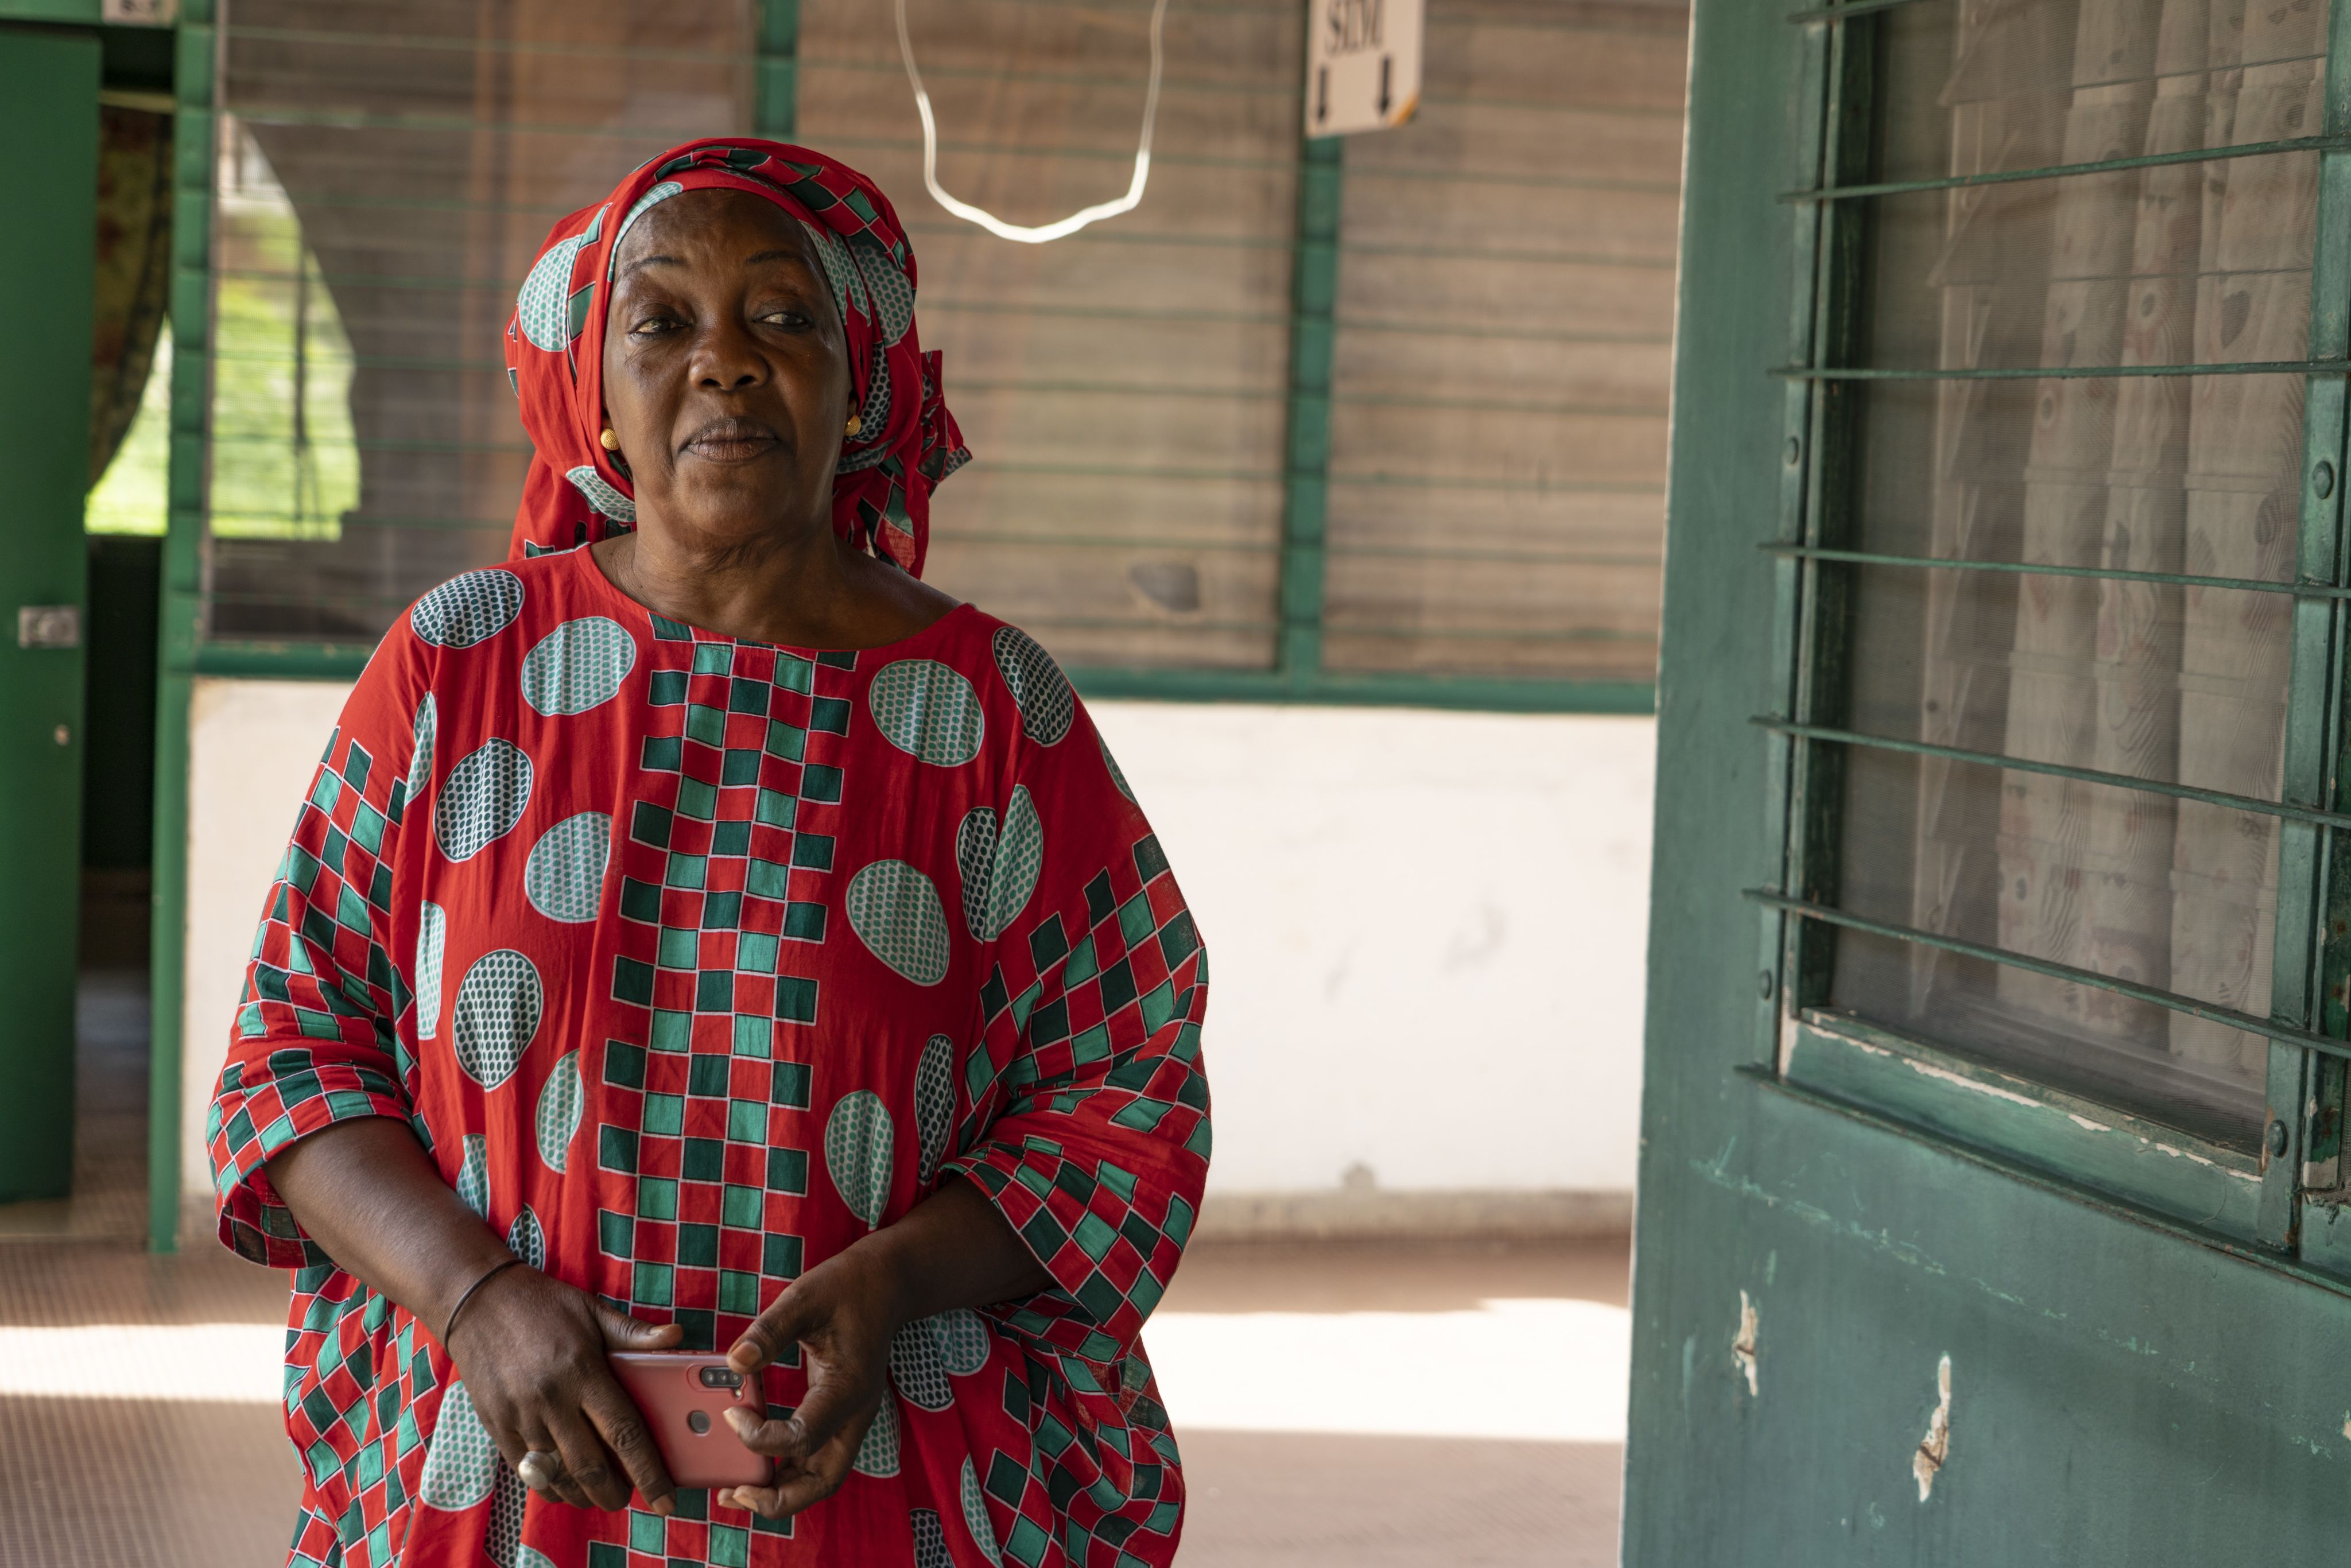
(88,416)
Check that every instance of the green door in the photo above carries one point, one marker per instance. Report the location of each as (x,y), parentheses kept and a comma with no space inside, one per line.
(48,124)
(1993,1205)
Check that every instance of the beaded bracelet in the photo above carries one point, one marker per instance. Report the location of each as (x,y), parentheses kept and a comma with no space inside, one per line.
(495,1269)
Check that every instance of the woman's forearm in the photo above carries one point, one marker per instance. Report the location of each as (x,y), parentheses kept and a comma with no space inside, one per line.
(954,1248)
(368,1193)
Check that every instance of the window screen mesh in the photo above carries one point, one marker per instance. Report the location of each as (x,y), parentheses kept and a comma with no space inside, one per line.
(1505,320)
(385,174)
(1123,390)
(2204,263)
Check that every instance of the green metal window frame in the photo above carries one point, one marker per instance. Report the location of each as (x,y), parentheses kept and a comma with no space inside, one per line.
(2264,1201)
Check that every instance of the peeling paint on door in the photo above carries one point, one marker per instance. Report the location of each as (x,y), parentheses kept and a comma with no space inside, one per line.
(1927,1462)
(1742,1347)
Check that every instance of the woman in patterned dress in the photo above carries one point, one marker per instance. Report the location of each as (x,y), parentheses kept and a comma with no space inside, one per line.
(713,937)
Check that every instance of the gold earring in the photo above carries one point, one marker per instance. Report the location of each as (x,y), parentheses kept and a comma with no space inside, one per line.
(612,440)
(856,423)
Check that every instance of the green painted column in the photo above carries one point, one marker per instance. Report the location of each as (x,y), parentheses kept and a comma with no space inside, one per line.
(775,87)
(48,118)
(180,603)
(1306,479)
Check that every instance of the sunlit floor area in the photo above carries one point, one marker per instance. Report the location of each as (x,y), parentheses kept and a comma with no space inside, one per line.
(1341,1405)
(1338,1406)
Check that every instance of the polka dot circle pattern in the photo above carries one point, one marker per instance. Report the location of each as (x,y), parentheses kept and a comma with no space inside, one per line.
(878,1454)
(928,711)
(974,1515)
(564,878)
(525,1240)
(498,1008)
(840,271)
(420,761)
(509,1501)
(482,800)
(1037,684)
(964,1340)
(577,665)
(431,933)
(1116,776)
(934,1106)
(461,1462)
(976,864)
(930,1540)
(873,411)
(544,306)
(858,1144)
(471,607)
(916,1369)
(560,1106)
(601,495)
(895,911)
(1019,856)
(893,298)
(473,1175)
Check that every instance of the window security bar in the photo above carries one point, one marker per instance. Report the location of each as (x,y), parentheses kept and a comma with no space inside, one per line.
(2060,170)
(2171,1000)
(2252,803)
(2059,373)
(2040,569)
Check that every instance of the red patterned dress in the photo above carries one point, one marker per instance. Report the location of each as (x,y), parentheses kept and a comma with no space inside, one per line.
(693,960)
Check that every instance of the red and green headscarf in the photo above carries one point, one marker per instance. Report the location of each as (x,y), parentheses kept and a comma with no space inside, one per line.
(907,441)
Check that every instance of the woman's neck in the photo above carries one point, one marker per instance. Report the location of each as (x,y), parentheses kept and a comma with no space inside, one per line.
(806,589)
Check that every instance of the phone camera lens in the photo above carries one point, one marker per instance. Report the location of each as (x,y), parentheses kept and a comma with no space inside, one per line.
(721,1377)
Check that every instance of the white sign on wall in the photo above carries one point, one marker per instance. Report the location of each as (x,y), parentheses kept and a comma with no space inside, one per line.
(1363,65)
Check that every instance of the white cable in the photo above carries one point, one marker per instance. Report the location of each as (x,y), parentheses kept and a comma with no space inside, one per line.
(1075,221)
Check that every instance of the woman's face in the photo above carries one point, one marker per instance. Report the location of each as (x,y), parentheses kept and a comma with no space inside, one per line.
(726,371)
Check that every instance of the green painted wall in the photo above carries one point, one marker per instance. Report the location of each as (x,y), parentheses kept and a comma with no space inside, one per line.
(2121,1390)
(49,121)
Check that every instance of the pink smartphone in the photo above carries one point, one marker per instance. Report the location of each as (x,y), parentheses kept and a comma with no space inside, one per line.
(683,1396)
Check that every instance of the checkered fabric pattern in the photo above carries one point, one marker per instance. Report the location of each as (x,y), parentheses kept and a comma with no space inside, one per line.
(725,870)
(321,980)
(692,961)
(1092,1035)
(1103,1039)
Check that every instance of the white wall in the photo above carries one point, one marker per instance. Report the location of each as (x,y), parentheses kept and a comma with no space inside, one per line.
(1426,936)
(252,746)
(1425,929)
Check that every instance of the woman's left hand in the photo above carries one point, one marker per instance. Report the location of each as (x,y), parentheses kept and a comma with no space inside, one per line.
(843,1314)
(953,1248)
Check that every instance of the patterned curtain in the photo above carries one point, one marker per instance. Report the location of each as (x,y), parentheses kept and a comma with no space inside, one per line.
(135,269)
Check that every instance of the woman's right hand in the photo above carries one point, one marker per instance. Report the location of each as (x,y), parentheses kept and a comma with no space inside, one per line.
(532,1351)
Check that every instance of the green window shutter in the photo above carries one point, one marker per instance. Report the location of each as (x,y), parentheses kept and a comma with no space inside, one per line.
(2061,574)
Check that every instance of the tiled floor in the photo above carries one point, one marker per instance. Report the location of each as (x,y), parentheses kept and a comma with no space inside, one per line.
(1352,1406)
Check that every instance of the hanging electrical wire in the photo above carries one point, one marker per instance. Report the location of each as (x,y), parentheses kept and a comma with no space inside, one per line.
(1040,234)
